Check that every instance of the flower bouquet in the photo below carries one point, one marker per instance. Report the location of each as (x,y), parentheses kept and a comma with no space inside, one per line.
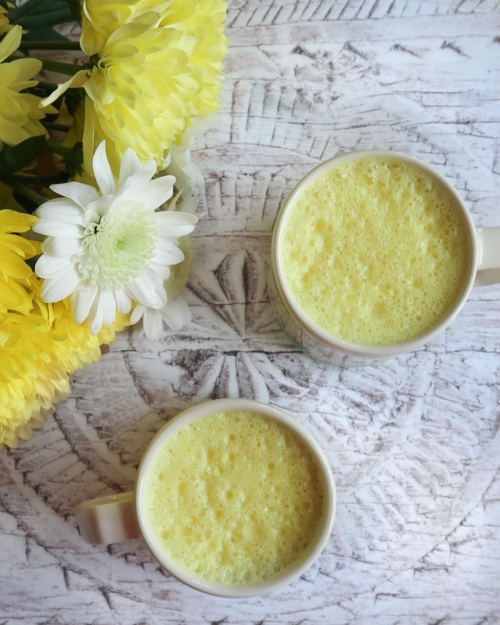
(97,183)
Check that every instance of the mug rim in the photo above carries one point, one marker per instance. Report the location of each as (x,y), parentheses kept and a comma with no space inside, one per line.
(223,405)
(321,335)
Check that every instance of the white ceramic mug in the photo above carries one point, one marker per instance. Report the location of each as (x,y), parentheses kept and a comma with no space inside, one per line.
(484,268)
(121,517)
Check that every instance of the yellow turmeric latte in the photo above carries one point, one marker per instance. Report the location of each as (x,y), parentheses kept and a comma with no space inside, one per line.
(375,251)
(234,498)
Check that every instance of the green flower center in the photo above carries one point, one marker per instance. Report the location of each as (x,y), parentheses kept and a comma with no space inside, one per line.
(120,247)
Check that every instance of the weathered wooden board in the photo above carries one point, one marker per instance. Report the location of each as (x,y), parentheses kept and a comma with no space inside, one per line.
(414,443)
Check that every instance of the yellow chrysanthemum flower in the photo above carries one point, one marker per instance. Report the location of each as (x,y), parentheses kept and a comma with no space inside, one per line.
(40,344)
(16,278)
(158,67)
(5,26)
(20,113)
(203,20)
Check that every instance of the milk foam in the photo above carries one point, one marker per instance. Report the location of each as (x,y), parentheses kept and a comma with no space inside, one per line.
(235,498)
(375,251)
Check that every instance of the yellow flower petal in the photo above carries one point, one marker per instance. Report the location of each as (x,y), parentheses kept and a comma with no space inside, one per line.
(12,221)
(76,81)
(159,67)
(19,112)
(40,344)
(10,43)
(4,21)
(11,133)
(11,266)
(20,72)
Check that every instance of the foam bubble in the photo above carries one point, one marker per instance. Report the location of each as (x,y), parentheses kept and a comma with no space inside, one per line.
(375,251)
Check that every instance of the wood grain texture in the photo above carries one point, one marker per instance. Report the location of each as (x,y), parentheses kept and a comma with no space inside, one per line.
(414,443)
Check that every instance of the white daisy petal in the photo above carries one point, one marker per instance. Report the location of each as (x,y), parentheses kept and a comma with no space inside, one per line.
(176,314)
(153,324)
(155,276)
(57,289)
(81,301)
(53,266)
(129,166)
(187,174)
(137,314)
(102,170)
(144,291)
(123,302)
(175,224)
(190,206)
(160,190)
(58,229)
(81,194)
(176,218)
(144,174)
(167,253)
(61,247)
(133,188)
(174,232)
(109,308)
(166,161)
(98,208)
(96,315)
(153,193)
(62,210)
(162,270)
(173,240)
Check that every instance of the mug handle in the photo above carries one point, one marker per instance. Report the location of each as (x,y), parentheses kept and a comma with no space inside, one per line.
(488,243)
(109,519)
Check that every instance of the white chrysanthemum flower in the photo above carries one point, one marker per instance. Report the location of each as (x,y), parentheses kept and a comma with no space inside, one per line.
(175,314)
(109,248)
(189,178)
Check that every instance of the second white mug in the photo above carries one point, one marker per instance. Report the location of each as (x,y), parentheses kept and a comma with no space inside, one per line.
(121,517)
(483,269)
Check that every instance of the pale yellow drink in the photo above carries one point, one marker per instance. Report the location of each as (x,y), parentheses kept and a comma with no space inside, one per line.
(375,251)
(235,498)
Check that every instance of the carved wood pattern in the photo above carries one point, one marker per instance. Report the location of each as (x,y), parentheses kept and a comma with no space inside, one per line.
(414,443)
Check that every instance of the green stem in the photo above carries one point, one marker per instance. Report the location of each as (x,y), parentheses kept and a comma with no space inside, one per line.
(50,45)
(38,92)
(24,191)
(59,149)
(40,181)
(44,84)
(61,68)
(55,126)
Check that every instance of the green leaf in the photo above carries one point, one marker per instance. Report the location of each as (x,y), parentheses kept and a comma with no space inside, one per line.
(13,158)
(35,7)
(46,19)
(73,157)
(76,9)
(28,205)
(17,11)
(74,98)
(74,164)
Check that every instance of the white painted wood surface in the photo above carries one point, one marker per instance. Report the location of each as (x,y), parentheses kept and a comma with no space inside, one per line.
(414,443)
